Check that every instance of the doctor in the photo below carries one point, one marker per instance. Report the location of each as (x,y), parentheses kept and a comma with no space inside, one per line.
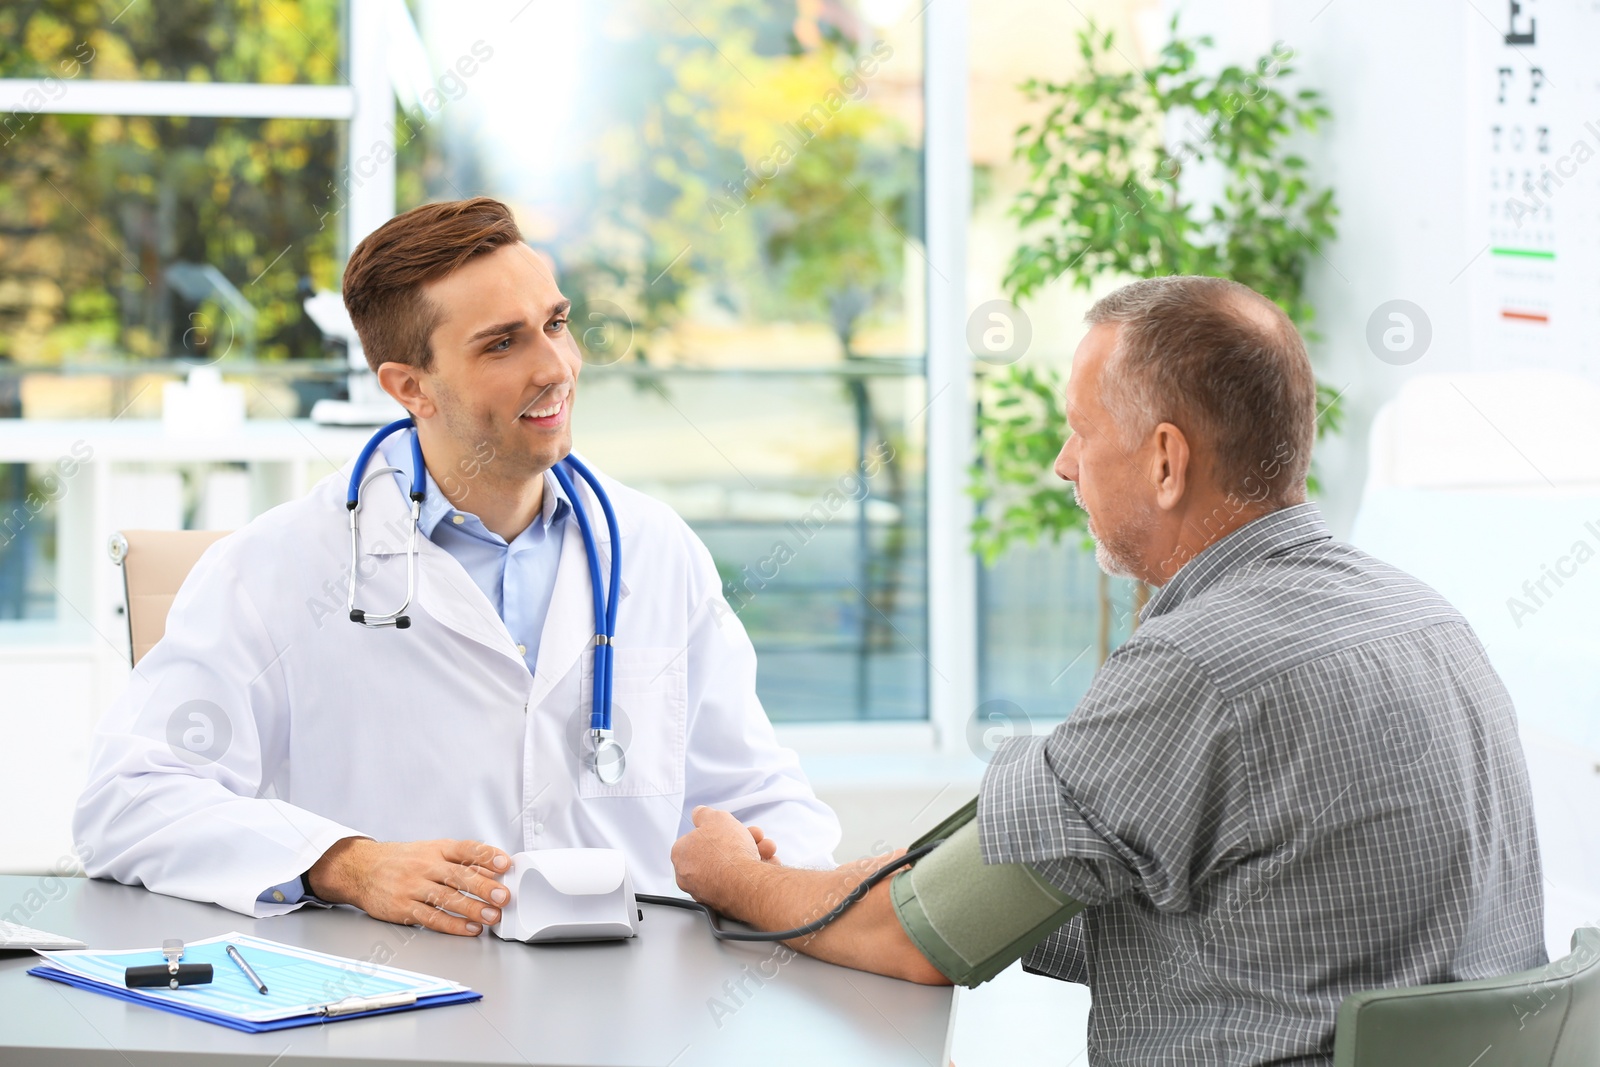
(271,749)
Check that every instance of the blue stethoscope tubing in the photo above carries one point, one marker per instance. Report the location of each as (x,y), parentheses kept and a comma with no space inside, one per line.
(605,595)
(605,612)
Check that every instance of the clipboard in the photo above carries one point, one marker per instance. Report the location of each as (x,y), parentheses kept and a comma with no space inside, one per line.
(307,987)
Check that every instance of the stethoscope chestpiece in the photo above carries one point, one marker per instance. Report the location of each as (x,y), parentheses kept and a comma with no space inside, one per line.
(609,758)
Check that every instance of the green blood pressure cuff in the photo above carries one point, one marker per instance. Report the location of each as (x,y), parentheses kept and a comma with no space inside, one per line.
(972,920)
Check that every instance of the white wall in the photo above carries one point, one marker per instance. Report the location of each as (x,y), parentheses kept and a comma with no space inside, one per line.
(1395,153)
(53,693)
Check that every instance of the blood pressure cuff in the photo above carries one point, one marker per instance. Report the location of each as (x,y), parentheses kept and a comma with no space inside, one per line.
(972,920)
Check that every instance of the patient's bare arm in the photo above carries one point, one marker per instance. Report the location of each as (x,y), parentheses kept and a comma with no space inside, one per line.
(720,864)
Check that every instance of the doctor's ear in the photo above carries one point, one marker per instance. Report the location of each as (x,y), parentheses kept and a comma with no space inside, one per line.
(404,382)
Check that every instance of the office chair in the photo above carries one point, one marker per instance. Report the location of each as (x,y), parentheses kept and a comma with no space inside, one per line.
(154,564)
(1549,1016)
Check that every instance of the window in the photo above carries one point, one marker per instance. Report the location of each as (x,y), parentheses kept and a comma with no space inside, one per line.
(1048,614)
(732,194)
(732,191)
(166,191)
(142,238)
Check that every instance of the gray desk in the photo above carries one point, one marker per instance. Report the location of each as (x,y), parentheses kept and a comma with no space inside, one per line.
(669,996)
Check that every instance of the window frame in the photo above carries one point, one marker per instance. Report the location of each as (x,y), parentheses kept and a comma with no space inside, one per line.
(370,201)
(952,659)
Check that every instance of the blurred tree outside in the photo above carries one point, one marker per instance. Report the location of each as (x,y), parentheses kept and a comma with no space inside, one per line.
(757,175)
(109,223)
(711,167)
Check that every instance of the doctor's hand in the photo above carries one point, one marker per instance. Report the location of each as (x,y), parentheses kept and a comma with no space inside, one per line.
(445,885)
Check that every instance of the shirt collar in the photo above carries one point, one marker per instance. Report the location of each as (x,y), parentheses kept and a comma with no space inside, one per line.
(1270,535)
(396,452)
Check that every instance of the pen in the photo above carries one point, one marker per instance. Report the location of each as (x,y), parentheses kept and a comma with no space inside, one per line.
(255,980)
(356,1003)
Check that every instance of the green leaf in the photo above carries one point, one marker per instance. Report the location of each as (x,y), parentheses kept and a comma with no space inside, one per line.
(1103,199)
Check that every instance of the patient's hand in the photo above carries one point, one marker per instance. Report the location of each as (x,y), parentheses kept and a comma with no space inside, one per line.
(730,870)
(713,860)
(767,847)
(449,886)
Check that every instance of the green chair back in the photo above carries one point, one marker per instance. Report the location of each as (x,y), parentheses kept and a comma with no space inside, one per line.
(1546,1017)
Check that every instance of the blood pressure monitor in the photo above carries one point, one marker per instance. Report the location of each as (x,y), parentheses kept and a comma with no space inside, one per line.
(972,919)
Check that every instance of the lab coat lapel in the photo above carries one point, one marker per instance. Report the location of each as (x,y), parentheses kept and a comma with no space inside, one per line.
(569,626)
(444,588)
(450,595)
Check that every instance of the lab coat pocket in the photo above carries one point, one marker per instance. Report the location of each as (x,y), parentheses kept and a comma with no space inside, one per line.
(649,714)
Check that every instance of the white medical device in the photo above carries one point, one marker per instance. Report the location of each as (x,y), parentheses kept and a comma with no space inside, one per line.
(568,894)
(368,405)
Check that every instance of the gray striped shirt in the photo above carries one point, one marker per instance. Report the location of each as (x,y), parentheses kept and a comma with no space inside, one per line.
(1300,778)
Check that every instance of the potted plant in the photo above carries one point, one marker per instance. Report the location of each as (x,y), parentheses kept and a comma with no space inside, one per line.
(1106,195)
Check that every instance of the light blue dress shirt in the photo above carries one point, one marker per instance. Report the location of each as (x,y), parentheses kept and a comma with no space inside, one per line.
(519,578)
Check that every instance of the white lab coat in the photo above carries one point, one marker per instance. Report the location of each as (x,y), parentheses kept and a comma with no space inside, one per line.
(265,725)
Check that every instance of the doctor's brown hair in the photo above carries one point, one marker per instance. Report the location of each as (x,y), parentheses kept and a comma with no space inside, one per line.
(383,280)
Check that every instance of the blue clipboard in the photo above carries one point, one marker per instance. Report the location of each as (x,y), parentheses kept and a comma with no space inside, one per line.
(177,1008)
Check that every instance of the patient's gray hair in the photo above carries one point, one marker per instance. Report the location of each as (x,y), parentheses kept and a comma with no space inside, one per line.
(1223,364)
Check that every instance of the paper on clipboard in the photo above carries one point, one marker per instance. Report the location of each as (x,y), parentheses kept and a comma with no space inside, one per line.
(300,982)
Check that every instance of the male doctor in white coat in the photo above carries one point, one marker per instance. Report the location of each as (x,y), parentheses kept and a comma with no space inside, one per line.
(270,750)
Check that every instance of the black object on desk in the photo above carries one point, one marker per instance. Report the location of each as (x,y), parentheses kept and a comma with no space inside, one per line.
(157,975)
(171,974)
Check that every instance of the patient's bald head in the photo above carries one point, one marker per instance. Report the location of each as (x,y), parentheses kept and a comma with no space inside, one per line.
(1223,363)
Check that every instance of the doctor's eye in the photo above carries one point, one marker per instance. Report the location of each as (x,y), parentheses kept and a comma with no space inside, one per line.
(502,345)
(557,325)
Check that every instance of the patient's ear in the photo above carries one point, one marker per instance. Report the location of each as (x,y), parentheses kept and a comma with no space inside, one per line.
(404,382)
(1169,465)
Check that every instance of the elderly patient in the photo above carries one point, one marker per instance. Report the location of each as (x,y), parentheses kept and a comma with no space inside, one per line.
(1298,779)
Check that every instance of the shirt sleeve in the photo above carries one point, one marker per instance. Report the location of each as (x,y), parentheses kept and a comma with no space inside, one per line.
(283,893)
(1143,789)
(1061,955)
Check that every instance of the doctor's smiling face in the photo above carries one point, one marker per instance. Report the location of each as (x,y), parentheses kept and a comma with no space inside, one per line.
(504,373)
(465,326)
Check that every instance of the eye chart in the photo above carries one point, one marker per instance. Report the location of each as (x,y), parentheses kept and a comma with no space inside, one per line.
(1533,119)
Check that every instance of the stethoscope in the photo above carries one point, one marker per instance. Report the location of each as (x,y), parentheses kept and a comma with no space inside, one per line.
(609,759)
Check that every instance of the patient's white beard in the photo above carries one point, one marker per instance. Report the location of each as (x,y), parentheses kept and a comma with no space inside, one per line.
(1118,551)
